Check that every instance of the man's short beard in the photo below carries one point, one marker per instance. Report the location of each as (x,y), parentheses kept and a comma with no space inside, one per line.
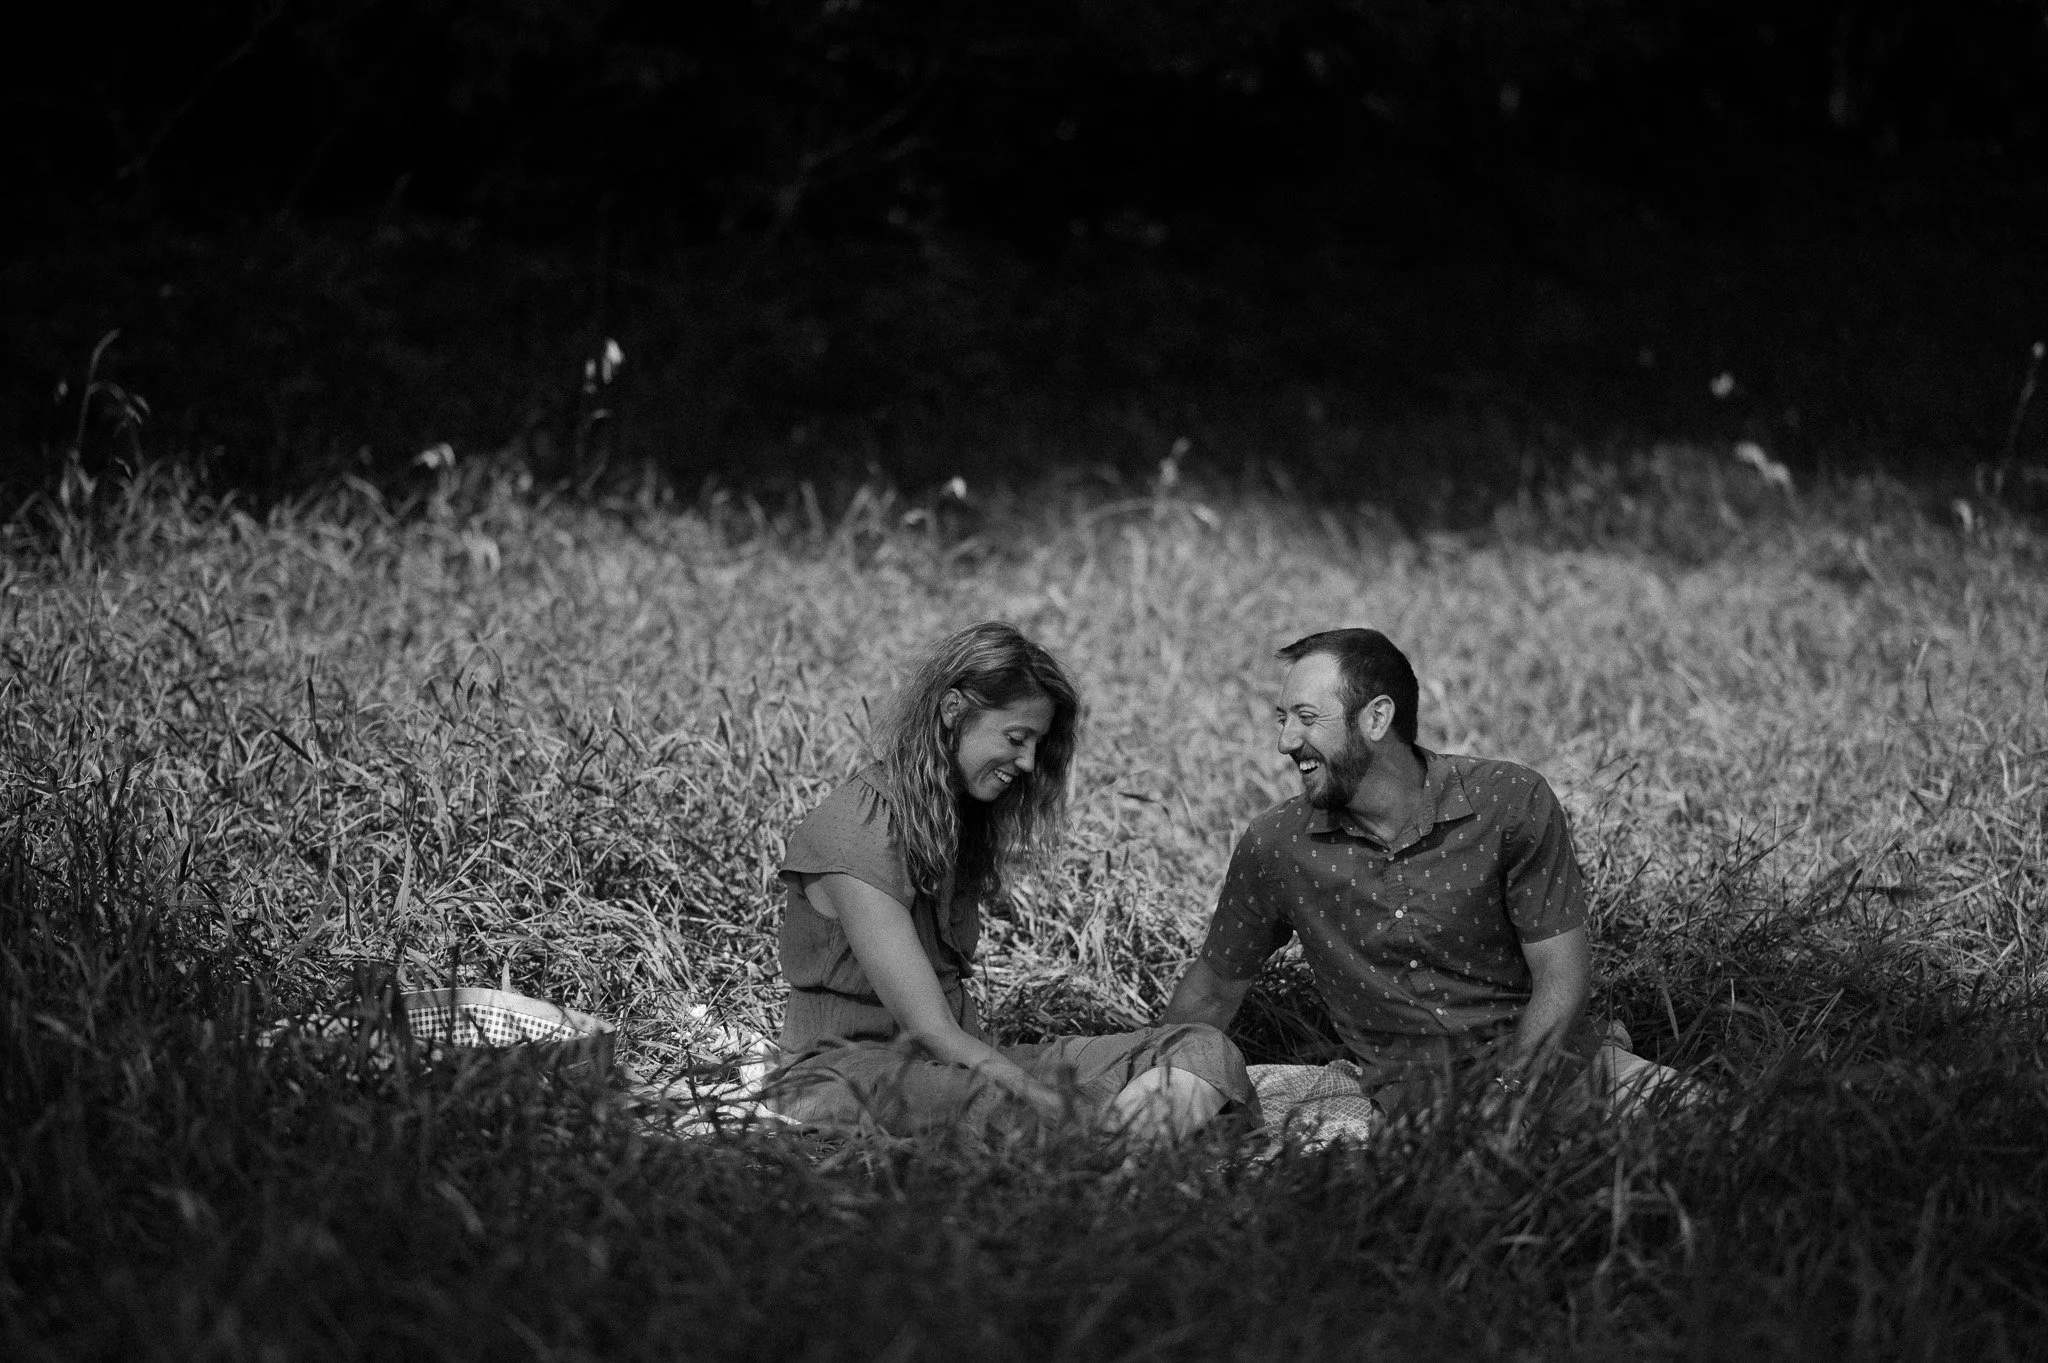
(1342,774)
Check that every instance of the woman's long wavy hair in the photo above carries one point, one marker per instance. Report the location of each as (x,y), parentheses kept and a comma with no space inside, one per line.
(939,825)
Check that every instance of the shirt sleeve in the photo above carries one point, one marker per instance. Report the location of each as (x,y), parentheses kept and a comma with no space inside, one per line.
(850,834)
(1545,892)
(1251,922)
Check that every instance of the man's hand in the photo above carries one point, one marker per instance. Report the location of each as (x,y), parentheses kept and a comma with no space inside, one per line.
(1560,977)
(1204,996)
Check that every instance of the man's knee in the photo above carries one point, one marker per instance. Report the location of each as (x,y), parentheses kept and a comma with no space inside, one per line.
(1164,1103)
(1629,1084)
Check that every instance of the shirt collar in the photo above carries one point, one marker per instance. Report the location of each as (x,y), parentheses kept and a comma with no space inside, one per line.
(1443,799)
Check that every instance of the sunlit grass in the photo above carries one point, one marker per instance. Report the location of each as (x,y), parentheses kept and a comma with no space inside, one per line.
(1802,740)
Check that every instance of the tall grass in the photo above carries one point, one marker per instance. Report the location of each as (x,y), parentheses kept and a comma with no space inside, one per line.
(1802,741)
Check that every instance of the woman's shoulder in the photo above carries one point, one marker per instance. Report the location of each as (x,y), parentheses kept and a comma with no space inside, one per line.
(855,803)
(852,832)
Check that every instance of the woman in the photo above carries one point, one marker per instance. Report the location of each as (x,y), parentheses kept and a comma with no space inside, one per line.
(884,882)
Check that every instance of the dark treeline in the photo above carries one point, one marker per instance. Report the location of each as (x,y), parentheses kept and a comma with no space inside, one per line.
(850,115)
(786,145)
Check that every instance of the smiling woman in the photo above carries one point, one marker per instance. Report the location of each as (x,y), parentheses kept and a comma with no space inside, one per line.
(884,882)
(996,747)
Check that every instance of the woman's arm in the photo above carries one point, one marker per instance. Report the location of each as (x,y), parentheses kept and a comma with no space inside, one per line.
(884,941)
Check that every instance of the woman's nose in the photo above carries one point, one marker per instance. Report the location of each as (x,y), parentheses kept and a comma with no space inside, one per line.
(1027,760)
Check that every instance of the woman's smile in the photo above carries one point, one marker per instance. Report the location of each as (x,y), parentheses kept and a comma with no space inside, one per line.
(999,747)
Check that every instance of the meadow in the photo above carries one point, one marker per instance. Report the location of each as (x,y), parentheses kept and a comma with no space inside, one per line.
(485,731)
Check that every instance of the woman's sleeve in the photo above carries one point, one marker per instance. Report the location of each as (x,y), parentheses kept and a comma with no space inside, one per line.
(850,834)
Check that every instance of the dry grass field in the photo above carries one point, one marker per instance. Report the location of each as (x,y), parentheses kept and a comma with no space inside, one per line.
(1803,736)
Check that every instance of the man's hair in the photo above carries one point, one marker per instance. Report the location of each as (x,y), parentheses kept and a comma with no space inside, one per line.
(1368,667)
(991,665)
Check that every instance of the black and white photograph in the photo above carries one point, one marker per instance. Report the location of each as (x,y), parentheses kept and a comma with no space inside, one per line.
(874,681)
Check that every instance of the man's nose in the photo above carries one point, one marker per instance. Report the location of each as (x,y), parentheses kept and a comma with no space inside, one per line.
(1290,735)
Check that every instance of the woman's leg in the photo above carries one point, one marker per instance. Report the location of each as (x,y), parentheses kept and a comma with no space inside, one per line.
(1159,1083)
(895,1087)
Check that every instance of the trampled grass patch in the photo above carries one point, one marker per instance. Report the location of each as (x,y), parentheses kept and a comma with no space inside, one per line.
(492,734)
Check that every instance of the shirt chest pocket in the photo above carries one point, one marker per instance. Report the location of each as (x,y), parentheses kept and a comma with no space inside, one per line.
(1428,915)
(1403,931)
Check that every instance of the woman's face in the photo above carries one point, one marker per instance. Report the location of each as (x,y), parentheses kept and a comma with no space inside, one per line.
(998,748)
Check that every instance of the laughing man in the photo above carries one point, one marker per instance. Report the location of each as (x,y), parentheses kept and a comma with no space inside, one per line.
(1438,901)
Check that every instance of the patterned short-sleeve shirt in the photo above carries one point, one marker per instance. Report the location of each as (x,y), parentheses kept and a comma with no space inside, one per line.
(1421,942)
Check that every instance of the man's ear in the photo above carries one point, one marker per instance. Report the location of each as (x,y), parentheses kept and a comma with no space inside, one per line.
(951,706)
(1376,718)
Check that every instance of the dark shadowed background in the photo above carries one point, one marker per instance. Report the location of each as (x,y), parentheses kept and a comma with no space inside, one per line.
(1416,250)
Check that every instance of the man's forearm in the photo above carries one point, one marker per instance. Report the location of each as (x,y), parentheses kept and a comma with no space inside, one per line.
(1560,977)
(1544,1025)
(1206,997)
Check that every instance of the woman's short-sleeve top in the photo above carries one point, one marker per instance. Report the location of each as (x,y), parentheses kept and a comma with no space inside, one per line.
(853,833)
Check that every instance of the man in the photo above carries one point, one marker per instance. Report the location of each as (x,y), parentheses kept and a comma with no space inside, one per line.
(1437,898)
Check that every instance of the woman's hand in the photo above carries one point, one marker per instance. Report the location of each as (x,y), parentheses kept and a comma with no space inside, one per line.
(1048,1102)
